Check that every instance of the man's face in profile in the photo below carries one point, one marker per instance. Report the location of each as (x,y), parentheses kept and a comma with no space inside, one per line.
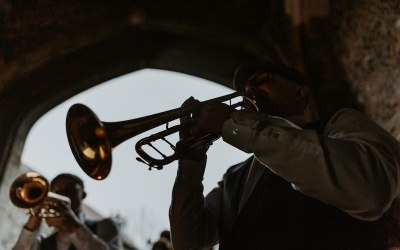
(276,95)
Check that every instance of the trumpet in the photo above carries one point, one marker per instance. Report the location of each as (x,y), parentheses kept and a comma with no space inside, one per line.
(32,189)
(92,140)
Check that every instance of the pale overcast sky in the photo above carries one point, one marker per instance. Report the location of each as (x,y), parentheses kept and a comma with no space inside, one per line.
(141,196)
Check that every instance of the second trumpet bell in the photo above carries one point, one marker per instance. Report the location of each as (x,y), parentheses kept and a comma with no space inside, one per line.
(30,190)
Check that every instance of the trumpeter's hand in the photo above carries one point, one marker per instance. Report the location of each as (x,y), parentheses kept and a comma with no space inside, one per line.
(66,221)
(34,220)
(211,118)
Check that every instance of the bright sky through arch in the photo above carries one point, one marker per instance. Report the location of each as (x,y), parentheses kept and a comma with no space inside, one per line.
(138,195)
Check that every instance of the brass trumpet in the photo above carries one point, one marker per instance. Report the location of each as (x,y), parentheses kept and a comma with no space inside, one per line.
(92,140)
(32,189)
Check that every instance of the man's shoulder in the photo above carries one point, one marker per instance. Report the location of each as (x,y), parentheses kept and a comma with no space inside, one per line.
(105,228)
(348,111)
(351,122)
(104,223)
(348,117)
(107,222)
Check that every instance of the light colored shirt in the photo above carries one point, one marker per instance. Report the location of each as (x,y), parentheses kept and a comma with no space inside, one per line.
(106,238)
(353,165)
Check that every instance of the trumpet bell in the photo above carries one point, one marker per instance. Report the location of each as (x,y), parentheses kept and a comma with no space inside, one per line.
(89,141)
(29,190)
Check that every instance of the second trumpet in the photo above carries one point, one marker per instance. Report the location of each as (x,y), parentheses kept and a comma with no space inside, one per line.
(32,190)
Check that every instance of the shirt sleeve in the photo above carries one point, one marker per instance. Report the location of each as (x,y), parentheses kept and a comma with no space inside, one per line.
(353,165)
(193,218)
(83,238)
(28,240)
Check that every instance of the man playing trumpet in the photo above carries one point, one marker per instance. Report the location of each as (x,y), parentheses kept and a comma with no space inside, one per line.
(73,231)
(309,184)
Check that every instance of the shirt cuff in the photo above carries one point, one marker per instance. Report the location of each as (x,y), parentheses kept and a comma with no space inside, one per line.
(239,131)
(191,172)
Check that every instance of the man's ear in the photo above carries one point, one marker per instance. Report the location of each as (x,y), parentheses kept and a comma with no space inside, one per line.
(83,195)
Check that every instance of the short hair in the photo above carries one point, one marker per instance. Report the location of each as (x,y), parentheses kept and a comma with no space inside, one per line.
(73,177)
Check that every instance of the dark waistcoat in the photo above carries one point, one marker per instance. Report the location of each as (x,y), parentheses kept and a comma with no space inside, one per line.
(276,217)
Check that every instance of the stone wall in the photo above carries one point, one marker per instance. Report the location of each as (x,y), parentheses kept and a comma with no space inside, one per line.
(366,38)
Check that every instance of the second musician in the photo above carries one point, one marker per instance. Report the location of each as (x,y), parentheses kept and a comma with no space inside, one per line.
(73,231)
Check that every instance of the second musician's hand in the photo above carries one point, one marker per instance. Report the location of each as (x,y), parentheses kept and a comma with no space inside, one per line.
(66,222)
(35,220)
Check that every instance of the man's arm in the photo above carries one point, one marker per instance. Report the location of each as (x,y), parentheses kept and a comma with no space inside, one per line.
(29,238)
(78,233)
(193,219)
(107,237)
(354,165)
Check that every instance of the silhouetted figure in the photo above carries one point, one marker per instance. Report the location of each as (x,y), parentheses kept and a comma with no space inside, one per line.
(164,243)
